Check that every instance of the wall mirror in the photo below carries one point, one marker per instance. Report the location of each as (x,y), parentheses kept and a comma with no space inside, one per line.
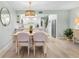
(5,16)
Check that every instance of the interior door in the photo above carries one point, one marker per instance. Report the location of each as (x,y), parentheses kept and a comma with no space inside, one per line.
(53,28)
(52,25)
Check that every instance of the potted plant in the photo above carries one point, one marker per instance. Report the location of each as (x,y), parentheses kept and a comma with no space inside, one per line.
(68,33)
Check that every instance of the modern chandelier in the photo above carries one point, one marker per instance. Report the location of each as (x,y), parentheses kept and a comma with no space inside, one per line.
(30,12)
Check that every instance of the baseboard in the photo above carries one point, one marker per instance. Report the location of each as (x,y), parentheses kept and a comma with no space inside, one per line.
(60,37)
(5,48)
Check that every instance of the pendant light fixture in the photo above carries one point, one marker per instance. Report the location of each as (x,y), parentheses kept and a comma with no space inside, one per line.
(30,12)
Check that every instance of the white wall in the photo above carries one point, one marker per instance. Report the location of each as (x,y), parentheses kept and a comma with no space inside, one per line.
(62,19)
(6,32)
(74,13)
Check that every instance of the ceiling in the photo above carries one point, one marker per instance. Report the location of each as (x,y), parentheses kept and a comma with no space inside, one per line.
(44,5)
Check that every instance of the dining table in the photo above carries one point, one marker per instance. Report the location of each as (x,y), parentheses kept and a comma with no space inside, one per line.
(31,41)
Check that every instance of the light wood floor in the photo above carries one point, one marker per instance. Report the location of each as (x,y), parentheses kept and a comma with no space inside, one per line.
(57,48)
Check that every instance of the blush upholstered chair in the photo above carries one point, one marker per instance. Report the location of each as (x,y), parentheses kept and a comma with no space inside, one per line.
(40,39)
(22,40)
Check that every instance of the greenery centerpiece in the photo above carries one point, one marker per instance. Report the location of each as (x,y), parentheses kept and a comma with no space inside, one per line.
(31,29)
(68,33)
(37,26)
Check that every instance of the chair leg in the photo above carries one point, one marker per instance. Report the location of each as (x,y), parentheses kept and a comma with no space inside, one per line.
(74,41)
(45,50)
(28,51)
(16,47)
(34,50)
(45,53)
(18,50)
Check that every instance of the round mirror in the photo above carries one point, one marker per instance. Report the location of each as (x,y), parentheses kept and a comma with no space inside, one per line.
(5,16)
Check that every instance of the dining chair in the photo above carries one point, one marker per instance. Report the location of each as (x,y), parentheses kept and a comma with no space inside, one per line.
(40,39)
(22,40)
(75,36)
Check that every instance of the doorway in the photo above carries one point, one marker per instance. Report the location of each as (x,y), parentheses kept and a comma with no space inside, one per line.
(53,29)
(52,25)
